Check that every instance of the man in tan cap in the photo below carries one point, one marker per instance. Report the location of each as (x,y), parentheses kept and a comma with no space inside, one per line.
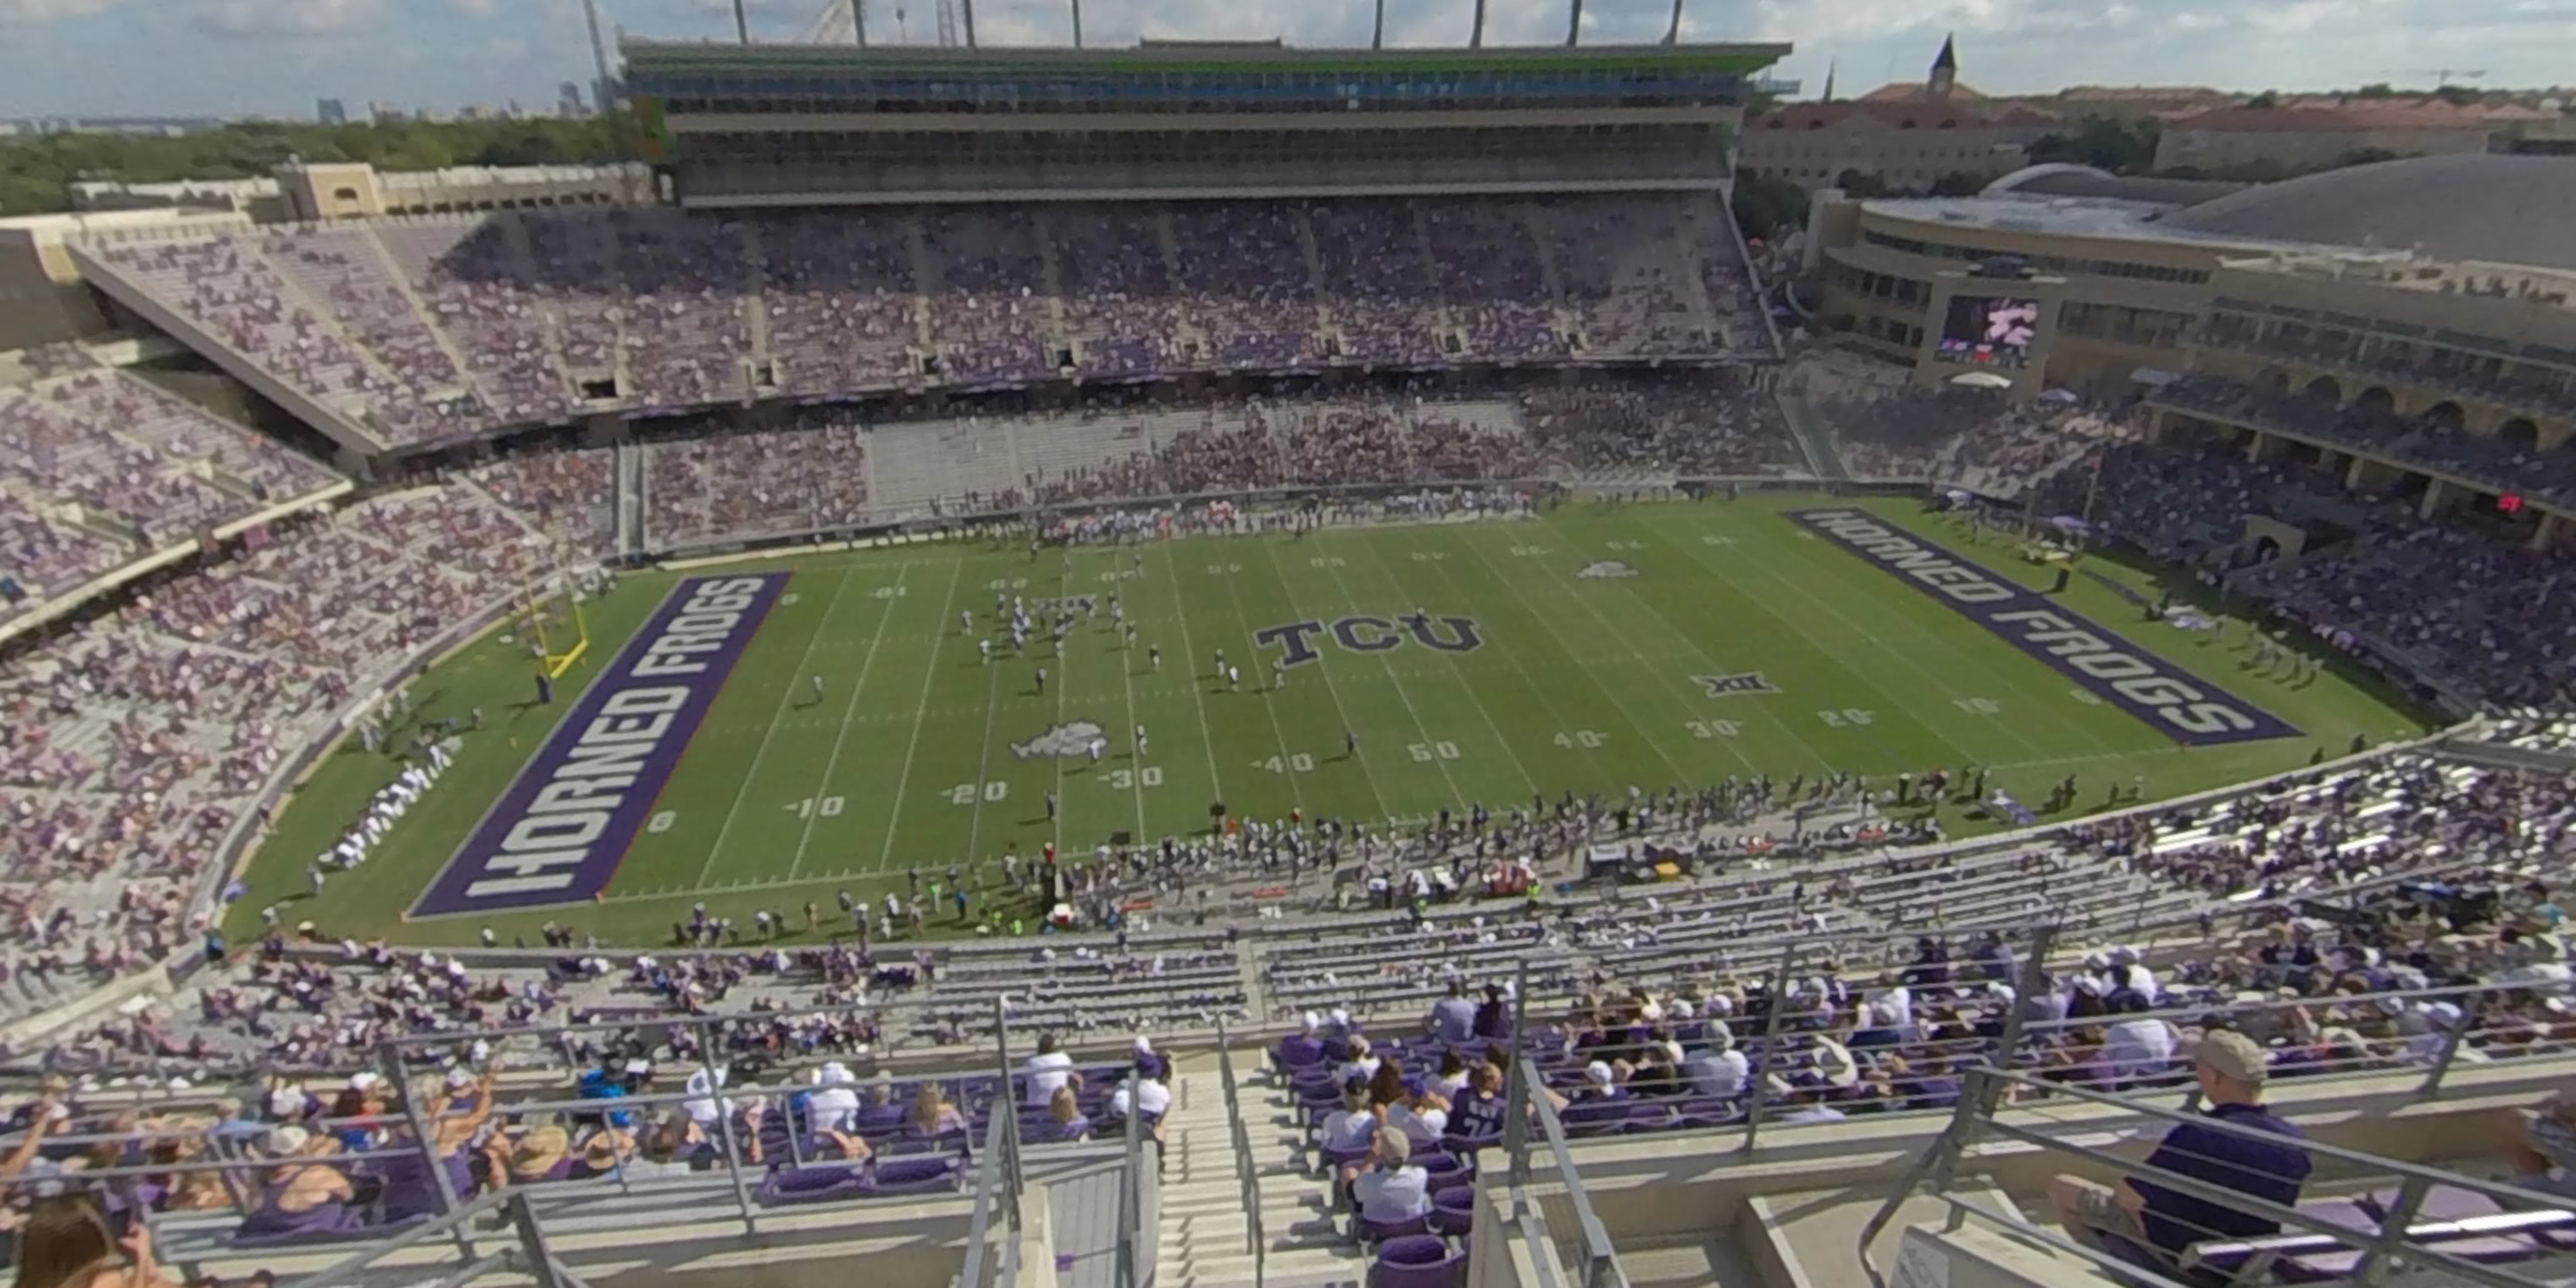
(2256,1153)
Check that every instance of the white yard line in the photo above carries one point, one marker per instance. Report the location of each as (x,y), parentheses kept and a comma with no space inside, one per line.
(929,682)
(1900,651)
(1278,734)
(841,735)
(1572,652)
(1127,678)
(1457,798)
(821,629)
(1340,712)
(1064,666)
(1611,631)
(1189,660)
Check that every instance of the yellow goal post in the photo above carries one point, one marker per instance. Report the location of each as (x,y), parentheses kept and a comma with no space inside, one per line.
(554,623)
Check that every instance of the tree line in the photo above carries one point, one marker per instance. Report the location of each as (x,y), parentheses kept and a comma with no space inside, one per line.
(37,170)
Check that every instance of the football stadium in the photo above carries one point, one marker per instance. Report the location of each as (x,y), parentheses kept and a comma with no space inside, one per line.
(1232,664)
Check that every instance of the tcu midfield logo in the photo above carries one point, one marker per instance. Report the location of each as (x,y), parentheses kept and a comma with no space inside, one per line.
(1362,633)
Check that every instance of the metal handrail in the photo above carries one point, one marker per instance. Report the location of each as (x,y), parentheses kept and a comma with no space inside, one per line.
(990,1176)
(1239,1138)
(1601,1261)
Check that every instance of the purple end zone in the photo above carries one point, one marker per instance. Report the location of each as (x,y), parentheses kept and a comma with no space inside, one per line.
(2176,704)
(559,833)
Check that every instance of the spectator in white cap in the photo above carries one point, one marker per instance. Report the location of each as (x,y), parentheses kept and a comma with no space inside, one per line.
(1149,1062)
(1303,1049)
(1393,1189)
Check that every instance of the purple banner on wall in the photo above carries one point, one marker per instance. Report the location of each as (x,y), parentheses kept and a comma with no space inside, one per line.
(559,832)
(2175,703)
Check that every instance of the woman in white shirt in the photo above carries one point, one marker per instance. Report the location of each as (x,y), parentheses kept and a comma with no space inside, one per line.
(1361,1066)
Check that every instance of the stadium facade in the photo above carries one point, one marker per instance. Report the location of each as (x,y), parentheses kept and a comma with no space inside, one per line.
(760,126)
(2439,291)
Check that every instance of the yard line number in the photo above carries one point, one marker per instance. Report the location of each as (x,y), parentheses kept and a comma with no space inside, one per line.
(1300,763)
(992,793)
(827,807)
(1713,728)
(1428,751)
(1588,739)
(1978,706)
(1130,779)
(1848,717)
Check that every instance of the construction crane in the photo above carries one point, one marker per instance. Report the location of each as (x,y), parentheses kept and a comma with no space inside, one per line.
(2443,75)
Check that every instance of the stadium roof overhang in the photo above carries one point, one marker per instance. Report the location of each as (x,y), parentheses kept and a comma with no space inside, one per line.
(756,59)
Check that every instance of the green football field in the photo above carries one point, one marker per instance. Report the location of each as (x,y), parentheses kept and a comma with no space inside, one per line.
(1594,626)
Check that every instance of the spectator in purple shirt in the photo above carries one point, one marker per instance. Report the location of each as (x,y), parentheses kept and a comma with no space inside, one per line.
(2153,1218)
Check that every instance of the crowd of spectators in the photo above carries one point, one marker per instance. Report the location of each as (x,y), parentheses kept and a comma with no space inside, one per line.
(2379,356)
(146,471)
(139,736)
(2432,440)
(807,476)
(2443,876)
(2459,598)
(425,329)
(1971,438)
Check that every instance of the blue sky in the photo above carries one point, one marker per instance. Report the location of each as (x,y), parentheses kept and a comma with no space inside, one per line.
(173,57)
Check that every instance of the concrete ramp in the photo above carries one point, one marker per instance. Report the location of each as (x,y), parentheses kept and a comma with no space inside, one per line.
(1698,1263)
(1809,1239)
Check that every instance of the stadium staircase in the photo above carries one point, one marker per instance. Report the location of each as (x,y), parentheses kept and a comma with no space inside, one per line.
(755,304)
(1813,442)
(628,469)
(1204,1223)
(363,241)
(523,261)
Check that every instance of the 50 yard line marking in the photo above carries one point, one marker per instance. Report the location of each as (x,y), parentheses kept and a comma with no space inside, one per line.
(775,718)
(841,735)
(885,858)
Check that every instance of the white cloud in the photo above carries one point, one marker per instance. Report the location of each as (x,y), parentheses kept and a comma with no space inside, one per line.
(35,11)
(285,19)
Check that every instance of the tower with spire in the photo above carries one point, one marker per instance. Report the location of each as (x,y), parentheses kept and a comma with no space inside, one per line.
(1945,70)
(1830,66)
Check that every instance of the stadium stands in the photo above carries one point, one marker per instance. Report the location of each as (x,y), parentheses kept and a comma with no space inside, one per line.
(2424,441)
(140,739)
(109,470)
(426,329)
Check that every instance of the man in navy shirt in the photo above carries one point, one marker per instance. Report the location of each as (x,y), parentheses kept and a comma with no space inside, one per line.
(2271,1166)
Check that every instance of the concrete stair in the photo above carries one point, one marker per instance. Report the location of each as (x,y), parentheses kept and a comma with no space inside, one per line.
(1204,1225)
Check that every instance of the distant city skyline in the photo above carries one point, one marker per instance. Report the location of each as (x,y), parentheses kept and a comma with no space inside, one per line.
(277,58)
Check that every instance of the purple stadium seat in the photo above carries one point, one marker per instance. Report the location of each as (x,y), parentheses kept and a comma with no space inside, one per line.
(918,1174)
(1453,1210)
(789,1186)
(270,1228)
(1376,1232)
(1417,1261)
